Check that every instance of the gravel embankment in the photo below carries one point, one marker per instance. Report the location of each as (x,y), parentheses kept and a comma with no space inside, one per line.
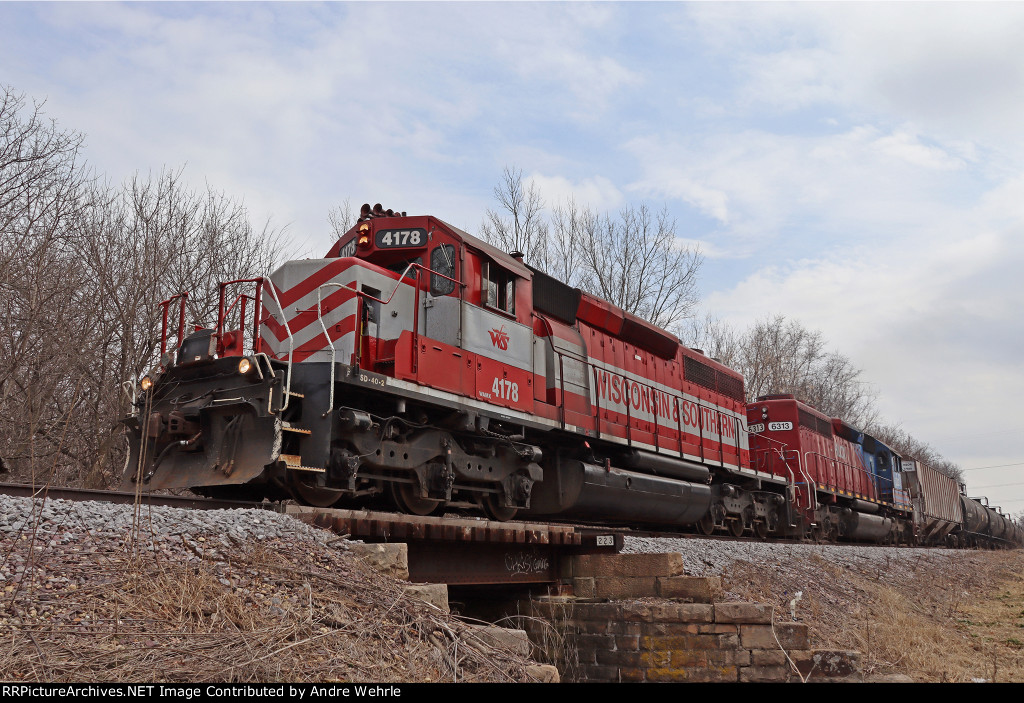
(61,521)
(710,557)
(94,591)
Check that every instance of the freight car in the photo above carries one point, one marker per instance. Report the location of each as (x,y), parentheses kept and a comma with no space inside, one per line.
(937,500)
(418,365)
(984,526)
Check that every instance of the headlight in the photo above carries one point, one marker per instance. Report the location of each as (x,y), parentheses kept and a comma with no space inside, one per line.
(146,383)
(363,240)
(244,365)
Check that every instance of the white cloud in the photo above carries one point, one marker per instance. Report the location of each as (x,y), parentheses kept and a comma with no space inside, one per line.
(907,147)
(798,194)
(553,55)
(597,192)
(952,68)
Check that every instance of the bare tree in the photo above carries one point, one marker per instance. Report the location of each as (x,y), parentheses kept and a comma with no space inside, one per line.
(1018,518)
(519,226)
(905,444)
(40,177)
(41,190)
(571,226)
(82,268)
(776,355)
(712,336)
(342,218)
(636,263)
(633,260)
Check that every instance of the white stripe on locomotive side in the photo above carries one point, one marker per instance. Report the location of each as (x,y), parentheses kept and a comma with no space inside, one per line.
(309,332)
(738,420)
(555,424)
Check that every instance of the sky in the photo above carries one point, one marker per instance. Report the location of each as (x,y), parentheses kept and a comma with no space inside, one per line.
(858,167)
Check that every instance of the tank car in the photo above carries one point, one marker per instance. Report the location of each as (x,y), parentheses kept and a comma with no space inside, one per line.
(984,526)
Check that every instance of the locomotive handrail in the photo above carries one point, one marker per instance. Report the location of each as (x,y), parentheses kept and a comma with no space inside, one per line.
(561,388)
(597,398)
(561,376)
(629,414)
(399,282)
(679,425)
(291,345)
(260,288)
(812,498)
(839,462)
(767,439)
(327,337)
(257,299)
(812,489)
(166,304)
(782,456)
(792,475)
(360,294)
(812,493)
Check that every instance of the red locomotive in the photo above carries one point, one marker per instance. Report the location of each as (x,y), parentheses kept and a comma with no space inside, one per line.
(418,364)
(844,483)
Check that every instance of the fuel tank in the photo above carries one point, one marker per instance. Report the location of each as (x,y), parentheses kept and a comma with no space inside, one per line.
(591,492)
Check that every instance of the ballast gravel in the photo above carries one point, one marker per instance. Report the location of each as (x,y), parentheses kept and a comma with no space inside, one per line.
(64,521)
(59,525)
(711,557)
(93,591)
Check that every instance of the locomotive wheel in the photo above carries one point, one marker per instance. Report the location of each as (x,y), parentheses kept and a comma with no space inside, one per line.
(317,496)
(405,498)
(761,530)
(736,528)
(831,532)
(706,525)
(494,507)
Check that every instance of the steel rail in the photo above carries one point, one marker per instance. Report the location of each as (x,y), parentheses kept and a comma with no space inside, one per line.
(22,490)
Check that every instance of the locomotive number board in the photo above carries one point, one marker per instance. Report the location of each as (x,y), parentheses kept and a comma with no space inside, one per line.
(772,427)
(401,238)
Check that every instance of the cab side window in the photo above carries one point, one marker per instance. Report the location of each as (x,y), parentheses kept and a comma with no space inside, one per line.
(442,260)
(498,288)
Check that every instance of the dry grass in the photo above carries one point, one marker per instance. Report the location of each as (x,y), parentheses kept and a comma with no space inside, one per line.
(959,617)
(269,612)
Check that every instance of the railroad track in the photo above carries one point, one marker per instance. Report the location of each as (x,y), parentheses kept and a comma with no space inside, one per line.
(22,490)
(589,532)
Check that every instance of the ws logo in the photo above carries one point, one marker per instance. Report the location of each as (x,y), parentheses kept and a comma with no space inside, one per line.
(499,338)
